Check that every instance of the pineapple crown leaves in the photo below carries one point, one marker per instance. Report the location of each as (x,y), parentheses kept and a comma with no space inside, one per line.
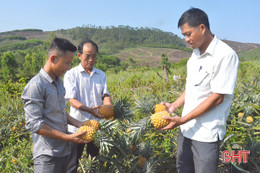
(145,149)
(119,156)
(104,142)
(104,138)
(122,109)
(151,165)
(158,164)
(112,138)
(88,163)
(139,128)
(145,104)
(116,164)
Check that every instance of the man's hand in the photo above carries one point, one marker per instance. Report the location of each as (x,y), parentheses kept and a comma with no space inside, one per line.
(50,132)
(174,122)
(169,107)
(94,112)
(76,138)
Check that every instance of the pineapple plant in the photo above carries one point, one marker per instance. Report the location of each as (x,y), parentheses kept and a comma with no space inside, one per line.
(159,108)
(92,123)
(158,121)
(90,133)
(107,111)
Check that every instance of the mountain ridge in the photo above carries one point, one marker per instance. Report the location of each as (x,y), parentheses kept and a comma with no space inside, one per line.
(139,44)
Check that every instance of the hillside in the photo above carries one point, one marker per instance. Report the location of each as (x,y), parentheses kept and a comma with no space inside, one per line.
(151,56)
(143,45)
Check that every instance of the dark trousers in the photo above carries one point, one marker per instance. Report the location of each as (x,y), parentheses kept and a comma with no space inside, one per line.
(50,164)
(76,153)
(197,157)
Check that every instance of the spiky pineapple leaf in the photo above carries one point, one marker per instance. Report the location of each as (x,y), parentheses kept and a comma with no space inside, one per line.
(139,128)
(88,164)
(122,109)
(145,104)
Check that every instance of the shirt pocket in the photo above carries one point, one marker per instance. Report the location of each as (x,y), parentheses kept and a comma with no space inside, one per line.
(203,81)
(99,88)
(53,101)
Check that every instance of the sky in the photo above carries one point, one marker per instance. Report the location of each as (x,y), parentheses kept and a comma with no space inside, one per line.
(235,20)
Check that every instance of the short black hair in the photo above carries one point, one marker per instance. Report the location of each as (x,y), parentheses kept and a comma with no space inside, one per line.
(80,47)
(62,45)
(194,17)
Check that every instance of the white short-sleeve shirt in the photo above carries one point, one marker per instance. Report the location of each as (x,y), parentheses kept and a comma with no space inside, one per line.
(88,89)
(213,72)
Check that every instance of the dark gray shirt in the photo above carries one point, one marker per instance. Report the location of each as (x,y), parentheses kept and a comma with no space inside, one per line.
(44,103)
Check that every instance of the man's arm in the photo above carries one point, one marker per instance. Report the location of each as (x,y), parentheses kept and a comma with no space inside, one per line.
(74,122)
(211,102)
(47,131)
(107,100)
(78,105)
(171,107)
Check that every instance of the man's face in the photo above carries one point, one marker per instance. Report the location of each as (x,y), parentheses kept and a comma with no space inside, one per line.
(63,63)
(88,57)
(194,36)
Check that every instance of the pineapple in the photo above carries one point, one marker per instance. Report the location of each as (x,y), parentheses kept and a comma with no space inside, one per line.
(159,108)
(249,119)
(141,162)
(240,115)
(128,130)
(92,123)
(107,111)
(90,133)
(158,121)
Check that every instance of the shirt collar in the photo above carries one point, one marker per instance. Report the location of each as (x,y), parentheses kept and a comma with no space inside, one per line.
(81,69)
(46,75)
(210,49)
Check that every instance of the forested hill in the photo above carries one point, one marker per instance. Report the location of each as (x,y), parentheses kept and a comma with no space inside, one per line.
(110,39)
(117,38)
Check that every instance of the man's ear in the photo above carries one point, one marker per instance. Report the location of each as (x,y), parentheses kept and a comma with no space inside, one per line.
(202,28)
(54,58)
(79,55)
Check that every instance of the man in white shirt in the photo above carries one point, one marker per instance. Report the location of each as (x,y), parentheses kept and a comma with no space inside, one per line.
(86,90)
(210,83)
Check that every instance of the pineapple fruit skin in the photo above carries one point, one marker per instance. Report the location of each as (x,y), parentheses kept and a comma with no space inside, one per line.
(90,133)
(159,108)
(107,111)
(158,121)
(141,162)
(92,123)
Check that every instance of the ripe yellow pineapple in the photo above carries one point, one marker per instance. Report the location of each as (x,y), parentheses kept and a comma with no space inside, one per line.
(128,130)
(90,133)
(14,128)
(158,120)
(92,123)
(240,115)
(159,108)
(249,119)
(107,111)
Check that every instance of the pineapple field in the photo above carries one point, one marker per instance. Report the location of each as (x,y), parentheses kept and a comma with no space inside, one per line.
(129,141)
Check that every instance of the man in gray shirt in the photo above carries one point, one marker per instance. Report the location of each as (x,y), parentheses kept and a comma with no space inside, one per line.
(45,116)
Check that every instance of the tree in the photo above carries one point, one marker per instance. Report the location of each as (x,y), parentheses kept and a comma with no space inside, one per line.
(166,66)
(131,61)
(8,66)
(30,67)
